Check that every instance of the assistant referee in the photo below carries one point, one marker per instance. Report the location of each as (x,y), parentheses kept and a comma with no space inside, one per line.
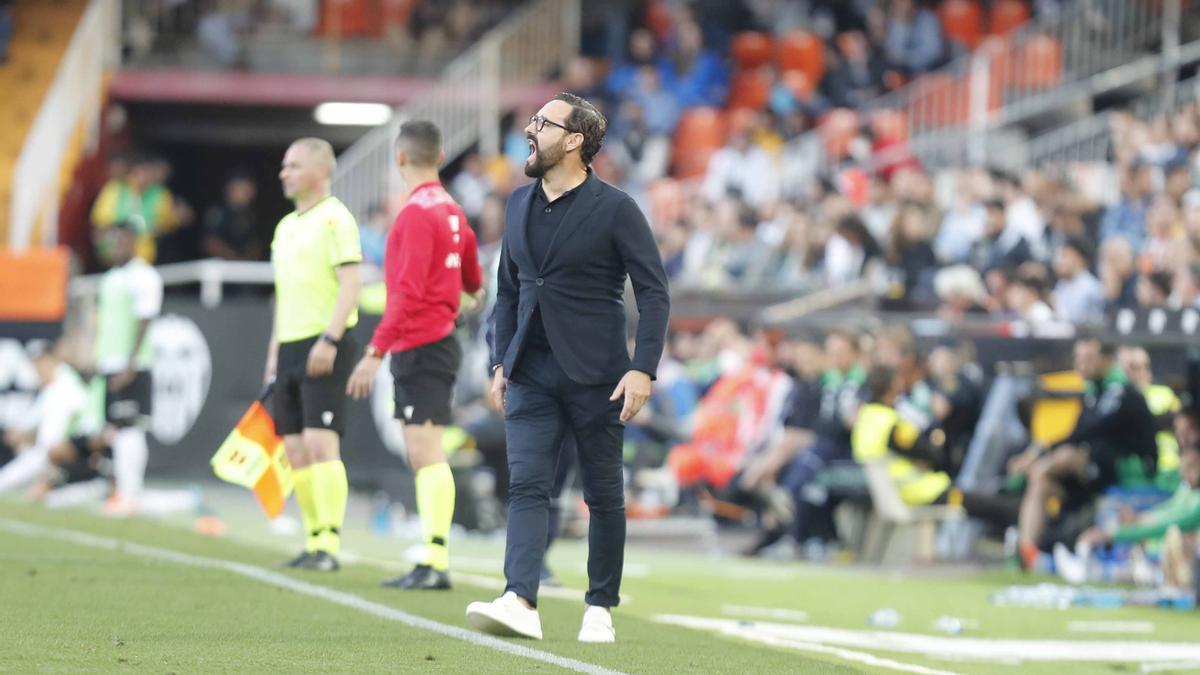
(316,256)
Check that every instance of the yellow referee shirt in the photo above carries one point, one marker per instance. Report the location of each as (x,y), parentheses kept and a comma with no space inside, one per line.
(306,250)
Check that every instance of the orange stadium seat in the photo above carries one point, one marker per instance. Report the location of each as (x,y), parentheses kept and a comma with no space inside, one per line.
(750,89)
(838,128)
(962,21)
(1039,63)
(700,133)
(801,51)
(751,49)
(1007,15)
(34,283)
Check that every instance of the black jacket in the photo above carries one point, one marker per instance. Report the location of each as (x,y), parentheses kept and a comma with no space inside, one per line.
(580,286)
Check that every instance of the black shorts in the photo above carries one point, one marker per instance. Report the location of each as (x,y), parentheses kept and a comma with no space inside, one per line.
(424,379)
(302,402)
(129,406)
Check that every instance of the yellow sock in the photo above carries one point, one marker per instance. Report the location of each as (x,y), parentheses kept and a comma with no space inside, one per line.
(330,491)
(302,482)
(435,504)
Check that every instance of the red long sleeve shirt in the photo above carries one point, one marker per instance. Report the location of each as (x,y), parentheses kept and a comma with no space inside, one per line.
(431,258)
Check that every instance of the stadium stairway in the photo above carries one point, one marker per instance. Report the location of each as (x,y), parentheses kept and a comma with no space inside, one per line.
(43,29)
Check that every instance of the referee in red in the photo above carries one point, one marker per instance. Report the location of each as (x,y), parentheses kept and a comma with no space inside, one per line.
(431,258)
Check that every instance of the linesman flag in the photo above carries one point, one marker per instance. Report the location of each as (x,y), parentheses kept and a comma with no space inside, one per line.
(253,457)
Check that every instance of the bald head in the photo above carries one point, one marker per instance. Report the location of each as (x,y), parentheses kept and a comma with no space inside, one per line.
(307,169)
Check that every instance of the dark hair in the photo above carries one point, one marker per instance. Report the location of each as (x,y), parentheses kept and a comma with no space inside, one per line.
(993,203)
(585,119)
(1161,280)
(1082,247)
(879,382)
(421,140)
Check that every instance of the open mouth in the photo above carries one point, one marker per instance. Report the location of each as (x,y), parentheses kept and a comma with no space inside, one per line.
(532,147)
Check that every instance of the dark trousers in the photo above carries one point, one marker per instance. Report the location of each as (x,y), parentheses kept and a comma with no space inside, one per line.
(542,406)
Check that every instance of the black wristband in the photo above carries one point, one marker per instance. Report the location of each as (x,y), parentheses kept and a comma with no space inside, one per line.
(326,337)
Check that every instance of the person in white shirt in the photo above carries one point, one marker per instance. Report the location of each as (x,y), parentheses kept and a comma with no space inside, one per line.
(1079,295)
(130,297)
(57,409)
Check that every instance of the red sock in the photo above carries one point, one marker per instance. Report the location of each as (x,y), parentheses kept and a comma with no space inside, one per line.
(1029,555)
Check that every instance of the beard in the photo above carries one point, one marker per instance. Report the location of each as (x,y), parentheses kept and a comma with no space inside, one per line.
(542,160)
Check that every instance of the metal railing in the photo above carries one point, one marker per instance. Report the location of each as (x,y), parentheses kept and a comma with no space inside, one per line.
(467,103)
(73,102)
(1097,46)
(1091,138)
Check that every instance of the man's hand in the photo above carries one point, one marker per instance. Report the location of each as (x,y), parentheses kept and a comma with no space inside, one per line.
(122,379)
(1093,537)
(363,377)
(635,387)
(320,358)
(499,387)
(1019,465)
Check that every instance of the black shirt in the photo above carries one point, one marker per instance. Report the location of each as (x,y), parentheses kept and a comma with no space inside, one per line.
(545,216)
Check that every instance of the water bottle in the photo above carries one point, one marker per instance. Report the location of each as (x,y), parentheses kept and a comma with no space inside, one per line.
(884,618)
(949,625)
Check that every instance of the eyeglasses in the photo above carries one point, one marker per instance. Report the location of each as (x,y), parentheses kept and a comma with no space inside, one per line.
(539,122)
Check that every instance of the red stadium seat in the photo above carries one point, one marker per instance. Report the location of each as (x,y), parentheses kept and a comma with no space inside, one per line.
(700,133)
(801,51)
(1007,15)
(750,89)
(751,49)
(962,21)
(1040,63)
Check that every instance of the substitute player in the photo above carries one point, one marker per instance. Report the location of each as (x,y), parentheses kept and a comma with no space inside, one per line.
(316,256)
(431,259)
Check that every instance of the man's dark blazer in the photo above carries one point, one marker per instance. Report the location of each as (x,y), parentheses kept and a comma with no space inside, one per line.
(580,286)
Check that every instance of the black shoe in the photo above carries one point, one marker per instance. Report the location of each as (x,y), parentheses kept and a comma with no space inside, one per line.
(422,578)
(548,578)
(299,560)
(320,562)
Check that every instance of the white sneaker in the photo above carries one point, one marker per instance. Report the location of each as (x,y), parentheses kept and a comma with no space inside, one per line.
(506,616)
(597,626)
(1072,568)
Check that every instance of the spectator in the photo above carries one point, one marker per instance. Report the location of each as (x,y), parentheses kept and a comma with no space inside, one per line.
(643,51)
(910,255)
(230,230)
(1022,219)
(1117,274)
(961,292)
(855,75)
(849,251)
(965,223)
(1078,296)
(1127,218)
(914,37)
(879,212)
(1154,289)
(1185,291)
(993,249)
(471,186)
(1025,298)
(696,75)
(1163,246)
(640,154)
(220,32)
(743,168)
(372,235)
(139,199)
(1177,180)
(659,107)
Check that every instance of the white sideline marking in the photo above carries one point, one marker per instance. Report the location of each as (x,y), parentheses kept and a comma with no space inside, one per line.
(1170,665)
(950,647)
(1110,626)
(765,612)
(304,588)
